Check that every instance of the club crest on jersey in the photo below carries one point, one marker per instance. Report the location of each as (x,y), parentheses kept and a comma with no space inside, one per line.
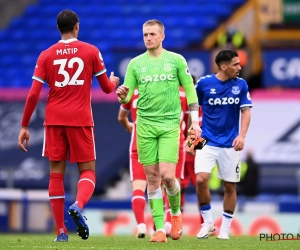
(187,71)
(248,96)
(235,90)
(167,67)
(213,91)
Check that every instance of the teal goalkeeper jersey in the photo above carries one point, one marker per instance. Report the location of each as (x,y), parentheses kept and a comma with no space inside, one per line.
(158,81)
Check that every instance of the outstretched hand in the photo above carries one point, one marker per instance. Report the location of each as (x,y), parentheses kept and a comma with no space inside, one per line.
(114,78)
(122,92)
(23,136)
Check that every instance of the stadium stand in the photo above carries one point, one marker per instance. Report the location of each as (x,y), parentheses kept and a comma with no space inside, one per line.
(110,25)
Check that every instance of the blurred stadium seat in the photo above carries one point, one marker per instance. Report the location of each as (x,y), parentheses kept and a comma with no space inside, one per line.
(109,26)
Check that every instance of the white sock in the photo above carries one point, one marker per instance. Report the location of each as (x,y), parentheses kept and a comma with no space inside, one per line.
(226,222)
(155,194)
(206,214)
(173,190)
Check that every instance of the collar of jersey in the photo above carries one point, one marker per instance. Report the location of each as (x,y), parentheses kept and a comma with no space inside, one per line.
(220,80)
(68,41)
(155,58)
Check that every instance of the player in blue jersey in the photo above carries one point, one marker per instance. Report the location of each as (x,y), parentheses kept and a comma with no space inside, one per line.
(223,97)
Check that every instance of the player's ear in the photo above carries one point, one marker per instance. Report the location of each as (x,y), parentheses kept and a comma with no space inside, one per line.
(163,37)
(77,26)
(223,67)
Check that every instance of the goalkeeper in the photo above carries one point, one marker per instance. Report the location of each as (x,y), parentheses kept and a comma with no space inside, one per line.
(157,74)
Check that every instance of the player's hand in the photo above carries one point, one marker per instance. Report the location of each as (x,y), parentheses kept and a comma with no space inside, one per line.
(129,127)
(238,143)
(122,92)
(114,78)
(189,146)
(23,136)
(198,131)
(195,144)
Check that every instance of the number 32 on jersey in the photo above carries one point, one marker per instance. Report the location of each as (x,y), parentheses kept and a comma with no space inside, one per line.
(62,71)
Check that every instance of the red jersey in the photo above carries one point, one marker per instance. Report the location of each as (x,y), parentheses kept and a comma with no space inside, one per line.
(185,110)
(132,107)
(68,68)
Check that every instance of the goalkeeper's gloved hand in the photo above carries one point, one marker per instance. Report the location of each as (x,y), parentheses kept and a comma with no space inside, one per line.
(193,144)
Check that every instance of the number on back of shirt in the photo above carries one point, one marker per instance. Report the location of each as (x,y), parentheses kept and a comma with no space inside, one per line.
(63,64)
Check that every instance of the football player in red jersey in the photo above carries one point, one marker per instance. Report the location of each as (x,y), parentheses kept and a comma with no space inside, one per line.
(67,68)
(189,171)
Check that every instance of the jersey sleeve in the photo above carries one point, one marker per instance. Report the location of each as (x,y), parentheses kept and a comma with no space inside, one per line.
(31,102)
(184,74)
(99,67)
(186,80)
(130,79)
(40,69)
(245,96)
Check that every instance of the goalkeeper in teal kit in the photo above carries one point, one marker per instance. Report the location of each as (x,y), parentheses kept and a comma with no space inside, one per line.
(157,74)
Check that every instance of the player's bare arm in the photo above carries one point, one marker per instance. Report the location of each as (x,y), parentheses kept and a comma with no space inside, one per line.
(192,99)
(194,107)
(123,119)
(189,124)
(194,117)
(243,109)
(108,84)
(239,141)
(245,120)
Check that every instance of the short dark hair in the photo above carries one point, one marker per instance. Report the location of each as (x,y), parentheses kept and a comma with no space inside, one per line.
(66,20)
(225,55)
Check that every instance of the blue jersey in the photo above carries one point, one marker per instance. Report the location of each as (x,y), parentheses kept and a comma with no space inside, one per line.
(221,103)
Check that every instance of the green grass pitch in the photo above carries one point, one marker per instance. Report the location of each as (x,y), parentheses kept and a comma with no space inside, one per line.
(45,241)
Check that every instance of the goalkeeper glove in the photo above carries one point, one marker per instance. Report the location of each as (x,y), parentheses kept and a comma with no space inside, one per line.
(199,143)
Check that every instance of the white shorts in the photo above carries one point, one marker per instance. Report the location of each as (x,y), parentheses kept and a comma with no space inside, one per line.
(227,160)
